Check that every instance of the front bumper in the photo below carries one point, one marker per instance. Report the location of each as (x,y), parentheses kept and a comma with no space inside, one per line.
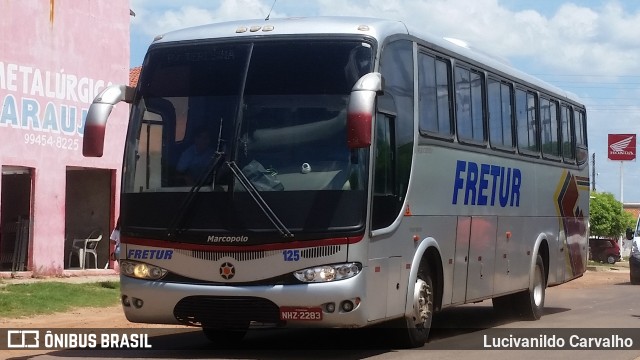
(158,302)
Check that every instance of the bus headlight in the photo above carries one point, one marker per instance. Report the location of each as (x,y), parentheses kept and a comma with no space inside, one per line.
(141,270)
(326,273)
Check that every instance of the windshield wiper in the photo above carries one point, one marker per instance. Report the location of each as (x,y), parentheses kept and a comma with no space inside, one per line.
(177,219)
(259,200)
(212,167)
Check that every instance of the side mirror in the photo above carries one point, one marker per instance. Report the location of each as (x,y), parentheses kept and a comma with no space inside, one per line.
(630,234)
(99,111)
(361,109)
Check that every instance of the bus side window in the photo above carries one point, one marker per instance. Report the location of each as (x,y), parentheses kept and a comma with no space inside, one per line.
(394,134)
(434,96)
(527,123)
(549,128)
(469,105)
(568,135)
(500,114)
(582,153)
(385,208)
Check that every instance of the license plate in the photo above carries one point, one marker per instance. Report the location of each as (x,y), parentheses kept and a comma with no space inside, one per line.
(300,313)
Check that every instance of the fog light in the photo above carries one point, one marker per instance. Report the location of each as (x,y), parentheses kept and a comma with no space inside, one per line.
(330,307)
(346,306)
(125,301)
(138,303)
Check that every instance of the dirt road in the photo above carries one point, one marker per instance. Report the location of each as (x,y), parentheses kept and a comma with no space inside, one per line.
(113,317)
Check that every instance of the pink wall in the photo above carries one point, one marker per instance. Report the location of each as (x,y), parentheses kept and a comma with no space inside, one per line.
(55,56)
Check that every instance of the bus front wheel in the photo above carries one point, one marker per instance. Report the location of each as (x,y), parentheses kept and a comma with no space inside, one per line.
(416,327)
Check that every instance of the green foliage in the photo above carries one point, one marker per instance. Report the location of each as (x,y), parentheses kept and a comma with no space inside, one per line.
(50,296)
(606,216)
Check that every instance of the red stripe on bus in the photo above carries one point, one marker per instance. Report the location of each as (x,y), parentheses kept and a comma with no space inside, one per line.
(223,248)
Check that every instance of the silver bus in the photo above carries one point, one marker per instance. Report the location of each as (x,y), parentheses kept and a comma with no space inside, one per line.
(341,172)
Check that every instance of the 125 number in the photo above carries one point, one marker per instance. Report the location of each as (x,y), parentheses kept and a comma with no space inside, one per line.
(291,255)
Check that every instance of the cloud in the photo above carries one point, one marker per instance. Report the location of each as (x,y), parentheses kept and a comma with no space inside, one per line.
(584,42)
(575,39)
(157,17)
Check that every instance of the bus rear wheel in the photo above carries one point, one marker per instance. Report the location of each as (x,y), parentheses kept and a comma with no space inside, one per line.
(530,303)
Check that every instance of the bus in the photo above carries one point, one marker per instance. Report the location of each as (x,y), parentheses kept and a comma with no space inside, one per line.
(352,172)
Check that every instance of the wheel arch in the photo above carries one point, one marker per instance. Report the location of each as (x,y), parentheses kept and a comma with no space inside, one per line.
(541,248)
(427,255)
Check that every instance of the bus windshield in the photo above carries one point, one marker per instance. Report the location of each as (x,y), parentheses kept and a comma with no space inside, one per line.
(274,110)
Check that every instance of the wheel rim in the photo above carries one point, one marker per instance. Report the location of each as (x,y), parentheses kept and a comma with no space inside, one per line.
(537,287)
(422,304)
(611,260)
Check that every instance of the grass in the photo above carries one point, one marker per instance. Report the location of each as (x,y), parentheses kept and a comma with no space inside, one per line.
(18,300)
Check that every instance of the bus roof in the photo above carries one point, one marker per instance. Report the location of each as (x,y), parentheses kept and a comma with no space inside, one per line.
(379,29)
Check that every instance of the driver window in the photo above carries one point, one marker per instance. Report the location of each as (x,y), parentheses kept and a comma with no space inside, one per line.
(149,154)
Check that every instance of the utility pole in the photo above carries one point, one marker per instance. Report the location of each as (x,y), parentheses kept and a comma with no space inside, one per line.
(622,183)
(593,172)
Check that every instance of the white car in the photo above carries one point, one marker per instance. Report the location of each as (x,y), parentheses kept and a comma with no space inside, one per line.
(634,258)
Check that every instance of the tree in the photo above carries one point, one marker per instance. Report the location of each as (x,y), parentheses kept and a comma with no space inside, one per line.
(606,216)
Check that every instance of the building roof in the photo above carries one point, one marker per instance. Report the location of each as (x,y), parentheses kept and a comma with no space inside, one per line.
(134,74)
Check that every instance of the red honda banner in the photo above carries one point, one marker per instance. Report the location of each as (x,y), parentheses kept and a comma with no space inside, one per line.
(622,147)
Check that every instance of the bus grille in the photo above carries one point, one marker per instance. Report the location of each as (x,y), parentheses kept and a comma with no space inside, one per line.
(311,253)
(236,255)
(221,311)
(320,251)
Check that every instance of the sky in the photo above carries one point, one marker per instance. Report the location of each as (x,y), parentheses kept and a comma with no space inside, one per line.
(588,47)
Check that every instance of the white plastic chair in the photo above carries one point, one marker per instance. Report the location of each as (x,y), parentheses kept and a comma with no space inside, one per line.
(88,245)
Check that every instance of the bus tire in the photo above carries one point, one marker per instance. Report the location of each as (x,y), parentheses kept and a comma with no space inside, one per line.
(414,330)
(530,303)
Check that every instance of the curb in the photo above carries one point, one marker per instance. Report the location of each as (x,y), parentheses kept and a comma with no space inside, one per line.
(594,268)
(77,279)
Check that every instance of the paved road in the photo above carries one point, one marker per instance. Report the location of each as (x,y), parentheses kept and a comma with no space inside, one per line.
(613,309)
